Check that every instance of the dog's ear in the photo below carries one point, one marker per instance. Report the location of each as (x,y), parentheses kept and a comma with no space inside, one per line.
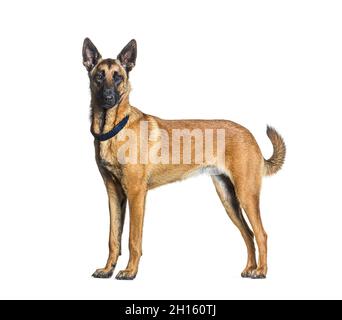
(128,55)
(90,54)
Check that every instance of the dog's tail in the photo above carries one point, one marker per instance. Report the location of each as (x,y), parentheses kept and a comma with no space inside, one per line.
(274,164)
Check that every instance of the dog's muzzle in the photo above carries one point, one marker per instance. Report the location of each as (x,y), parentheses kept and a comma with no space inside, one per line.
(110,98)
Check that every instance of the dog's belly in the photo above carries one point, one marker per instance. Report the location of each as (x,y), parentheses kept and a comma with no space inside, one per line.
(165,174)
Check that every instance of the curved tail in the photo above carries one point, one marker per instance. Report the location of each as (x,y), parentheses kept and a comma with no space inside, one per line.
(274,164)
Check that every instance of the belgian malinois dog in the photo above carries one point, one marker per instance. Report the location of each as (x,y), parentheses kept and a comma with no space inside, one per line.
(129,170)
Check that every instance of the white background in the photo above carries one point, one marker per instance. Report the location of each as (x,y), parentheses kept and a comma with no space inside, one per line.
(254,62)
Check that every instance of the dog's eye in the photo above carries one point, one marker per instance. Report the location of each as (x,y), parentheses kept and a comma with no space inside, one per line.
(117,78)
(99,77)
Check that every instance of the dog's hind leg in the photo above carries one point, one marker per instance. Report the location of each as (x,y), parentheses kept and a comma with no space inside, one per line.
(250,203)
(117,208)
(226,191)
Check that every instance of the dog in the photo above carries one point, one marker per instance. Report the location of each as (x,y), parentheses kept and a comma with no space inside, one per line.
(236,172)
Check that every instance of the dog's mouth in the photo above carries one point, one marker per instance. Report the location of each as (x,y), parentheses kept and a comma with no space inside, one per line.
(110,104)
(107,106)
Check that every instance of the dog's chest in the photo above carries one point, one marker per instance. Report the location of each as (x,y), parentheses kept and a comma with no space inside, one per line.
(106,154)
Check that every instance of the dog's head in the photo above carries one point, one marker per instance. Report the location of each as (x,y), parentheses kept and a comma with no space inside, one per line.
(109,77)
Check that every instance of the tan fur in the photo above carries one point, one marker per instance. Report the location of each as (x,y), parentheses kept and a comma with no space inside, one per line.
(274,164)
(238,184)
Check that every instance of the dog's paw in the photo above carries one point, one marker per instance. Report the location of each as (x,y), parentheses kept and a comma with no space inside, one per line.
(103,273)
(247,273)
(126,275)
(259,273)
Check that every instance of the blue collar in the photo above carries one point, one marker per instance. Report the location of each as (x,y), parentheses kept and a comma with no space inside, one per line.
(111,133)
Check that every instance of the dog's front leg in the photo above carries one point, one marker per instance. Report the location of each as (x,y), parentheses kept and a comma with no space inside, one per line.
(117,207)
(136,201)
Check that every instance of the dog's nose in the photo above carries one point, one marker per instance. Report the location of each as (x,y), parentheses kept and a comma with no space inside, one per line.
(109,98)
(108,94)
